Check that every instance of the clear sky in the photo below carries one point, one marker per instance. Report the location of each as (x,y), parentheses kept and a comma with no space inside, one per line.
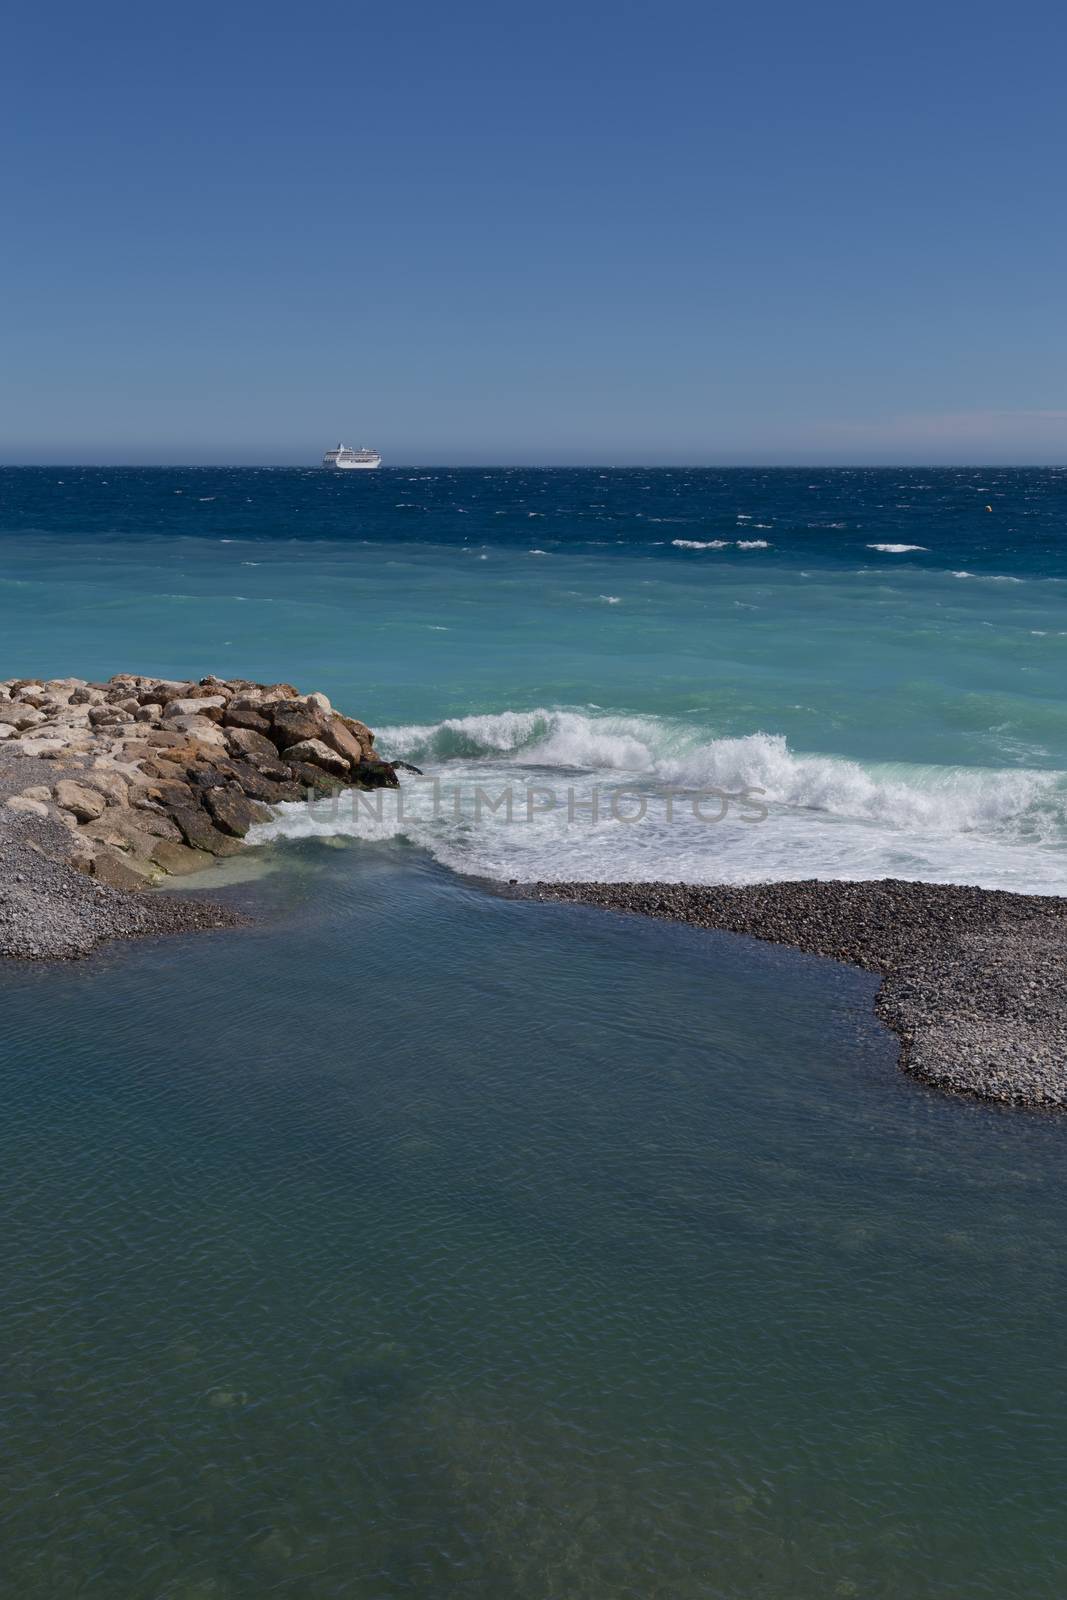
(478,232)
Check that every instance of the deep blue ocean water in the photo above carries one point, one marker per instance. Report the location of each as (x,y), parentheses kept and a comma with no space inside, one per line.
(419,1241)
(877,653)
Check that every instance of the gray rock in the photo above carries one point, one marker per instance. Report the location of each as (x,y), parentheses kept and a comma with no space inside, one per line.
(209,706)
(317,754)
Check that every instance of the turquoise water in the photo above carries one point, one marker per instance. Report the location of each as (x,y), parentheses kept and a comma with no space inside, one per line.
(423,1241)
(900,710)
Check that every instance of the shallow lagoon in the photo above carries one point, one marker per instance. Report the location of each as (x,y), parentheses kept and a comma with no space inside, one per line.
(419,1241)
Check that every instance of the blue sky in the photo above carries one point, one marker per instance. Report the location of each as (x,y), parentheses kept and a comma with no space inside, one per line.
(480,233)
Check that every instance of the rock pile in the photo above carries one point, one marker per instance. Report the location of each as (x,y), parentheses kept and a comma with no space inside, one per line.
(152,776)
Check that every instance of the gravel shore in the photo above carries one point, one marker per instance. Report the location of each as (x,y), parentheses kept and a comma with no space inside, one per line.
(973,980)
(50,911)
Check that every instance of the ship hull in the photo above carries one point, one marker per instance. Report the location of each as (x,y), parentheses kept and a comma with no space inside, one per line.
(353,466)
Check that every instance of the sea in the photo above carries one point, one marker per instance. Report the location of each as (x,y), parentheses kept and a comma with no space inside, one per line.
(424,1240)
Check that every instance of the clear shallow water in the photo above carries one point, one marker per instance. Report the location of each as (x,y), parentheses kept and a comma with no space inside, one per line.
(423,1242)
(901,709)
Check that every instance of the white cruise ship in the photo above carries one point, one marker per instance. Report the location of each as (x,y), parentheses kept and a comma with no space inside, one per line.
(346,460)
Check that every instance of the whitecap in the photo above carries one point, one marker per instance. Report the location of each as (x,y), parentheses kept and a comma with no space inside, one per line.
(829,816)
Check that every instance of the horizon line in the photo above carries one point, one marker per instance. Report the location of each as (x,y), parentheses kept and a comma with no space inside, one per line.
(542,466)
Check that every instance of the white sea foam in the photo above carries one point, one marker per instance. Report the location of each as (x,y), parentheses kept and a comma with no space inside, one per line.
(719,544)
(828,817)
(897,549)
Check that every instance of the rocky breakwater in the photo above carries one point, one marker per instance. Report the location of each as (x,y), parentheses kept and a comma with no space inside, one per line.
(137,779)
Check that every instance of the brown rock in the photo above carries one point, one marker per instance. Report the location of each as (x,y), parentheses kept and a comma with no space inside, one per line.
(163,689)
(117,830)
(232,812)
(340,737)
(375,775)
(200,833)
(259,787)
(86,804)
(245,716)
(360,729)
(172,796)
(315,778)
(178,859)
(248,742)
(166,771)
(32,808)
(112,785)
(115,873)
(295,724)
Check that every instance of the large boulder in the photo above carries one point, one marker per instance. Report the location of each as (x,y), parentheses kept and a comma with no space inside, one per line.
(106,781)
(201,729)
(171,797)
(21,716)
(179,859)
(250,743)
(232,812)
(210,706)
(200,833)
(116,873)
(245,714)
(30,808)
(160,690)
(257,786)
(315,779)
(296,724)
(315,753)
(130,831)
(376,774)
(85,803)
(340,737)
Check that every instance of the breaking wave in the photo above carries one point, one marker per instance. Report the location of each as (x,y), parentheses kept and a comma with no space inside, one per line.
(828,816)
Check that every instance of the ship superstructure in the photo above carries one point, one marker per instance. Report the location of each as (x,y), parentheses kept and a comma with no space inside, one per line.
(346,460)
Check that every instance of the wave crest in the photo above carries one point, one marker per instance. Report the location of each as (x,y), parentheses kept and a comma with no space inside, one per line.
(658,750)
